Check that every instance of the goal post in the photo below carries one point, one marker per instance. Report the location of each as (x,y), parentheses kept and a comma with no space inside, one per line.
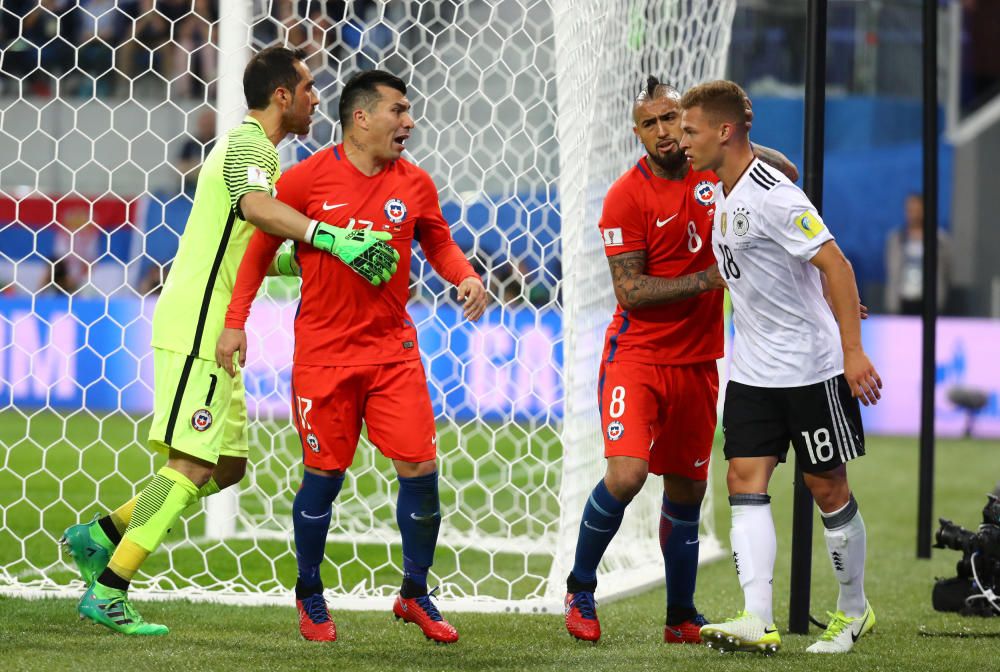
(523,121)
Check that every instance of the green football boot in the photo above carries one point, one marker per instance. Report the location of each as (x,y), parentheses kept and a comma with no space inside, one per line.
(90,548)
(112,609)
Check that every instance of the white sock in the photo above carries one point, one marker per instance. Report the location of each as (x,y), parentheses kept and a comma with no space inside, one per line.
(845,541)
(754,547)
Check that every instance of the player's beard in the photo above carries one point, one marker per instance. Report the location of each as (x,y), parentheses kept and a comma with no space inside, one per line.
(673,163)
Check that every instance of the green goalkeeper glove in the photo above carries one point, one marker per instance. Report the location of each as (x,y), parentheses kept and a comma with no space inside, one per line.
(285,264)
(365,251)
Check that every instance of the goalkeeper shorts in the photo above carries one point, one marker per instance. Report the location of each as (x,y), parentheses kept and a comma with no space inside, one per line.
(659,413)
(197,408)
(329,404)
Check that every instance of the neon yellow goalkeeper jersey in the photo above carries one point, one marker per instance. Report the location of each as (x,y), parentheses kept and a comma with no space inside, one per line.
(191,309)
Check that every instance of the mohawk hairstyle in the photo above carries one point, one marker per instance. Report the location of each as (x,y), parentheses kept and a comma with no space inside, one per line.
(655,89)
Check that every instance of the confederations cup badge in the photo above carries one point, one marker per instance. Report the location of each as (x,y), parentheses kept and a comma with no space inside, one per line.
(201,420)
(615,430)
(704,192)
(312,442)
(395,210)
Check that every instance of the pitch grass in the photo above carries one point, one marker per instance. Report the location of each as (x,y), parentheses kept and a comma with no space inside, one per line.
(45,635)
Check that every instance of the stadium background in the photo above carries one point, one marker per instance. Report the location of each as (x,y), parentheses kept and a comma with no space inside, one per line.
(98,150)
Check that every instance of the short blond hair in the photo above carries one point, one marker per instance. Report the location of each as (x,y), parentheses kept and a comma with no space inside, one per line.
(721,100)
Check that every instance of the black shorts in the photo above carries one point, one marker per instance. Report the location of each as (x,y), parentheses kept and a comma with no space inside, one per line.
(822,421)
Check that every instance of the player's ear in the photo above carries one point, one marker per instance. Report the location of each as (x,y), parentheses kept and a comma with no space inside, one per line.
(360,118)
(282,97)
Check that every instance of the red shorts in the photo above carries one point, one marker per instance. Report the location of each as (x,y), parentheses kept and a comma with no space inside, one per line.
(663,414)
(330,402)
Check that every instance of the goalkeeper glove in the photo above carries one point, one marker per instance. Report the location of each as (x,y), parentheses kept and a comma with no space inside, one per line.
(285,264)
(363,250)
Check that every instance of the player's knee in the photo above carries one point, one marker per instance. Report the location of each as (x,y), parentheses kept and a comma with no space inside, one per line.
(830,489)
(625,483)
(684,490)
(195,470)
(749,475)
(228,473)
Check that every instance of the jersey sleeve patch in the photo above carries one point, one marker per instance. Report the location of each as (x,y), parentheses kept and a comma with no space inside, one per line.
(257,176)
(251,164)
(809,224)
(613,237)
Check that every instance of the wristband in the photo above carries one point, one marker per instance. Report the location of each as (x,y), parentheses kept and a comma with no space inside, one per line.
(311,230)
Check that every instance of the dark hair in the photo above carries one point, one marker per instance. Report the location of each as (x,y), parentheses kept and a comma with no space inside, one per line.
(721,100)
(361,92)
(269,69)
(655,89)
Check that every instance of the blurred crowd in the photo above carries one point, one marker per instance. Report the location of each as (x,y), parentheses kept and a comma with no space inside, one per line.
(136,47)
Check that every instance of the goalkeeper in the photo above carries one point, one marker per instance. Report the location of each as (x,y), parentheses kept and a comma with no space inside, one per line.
(199,417)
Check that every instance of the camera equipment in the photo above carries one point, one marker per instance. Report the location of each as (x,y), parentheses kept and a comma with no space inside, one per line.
(976,589)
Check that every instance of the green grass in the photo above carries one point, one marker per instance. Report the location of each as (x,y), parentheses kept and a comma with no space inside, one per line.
(55,470)
(45,635)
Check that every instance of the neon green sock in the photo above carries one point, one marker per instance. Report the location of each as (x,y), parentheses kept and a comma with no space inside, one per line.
(208,489)
(159,506)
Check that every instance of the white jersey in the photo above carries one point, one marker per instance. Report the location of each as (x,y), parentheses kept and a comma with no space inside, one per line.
(764,234)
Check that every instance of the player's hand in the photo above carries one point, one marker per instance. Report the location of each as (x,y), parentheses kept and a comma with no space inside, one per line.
(862,311)
(714,278)
(231,341)
(472,293)
(285,264)
(862,377)
(364,250)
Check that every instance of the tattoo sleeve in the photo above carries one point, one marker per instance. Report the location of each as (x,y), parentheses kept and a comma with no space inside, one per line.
(635,289)
(776,159)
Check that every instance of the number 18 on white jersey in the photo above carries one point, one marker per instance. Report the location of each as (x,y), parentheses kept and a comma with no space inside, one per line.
(765,232)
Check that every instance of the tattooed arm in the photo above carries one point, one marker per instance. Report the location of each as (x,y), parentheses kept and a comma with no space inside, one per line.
(635,289)
(776,159)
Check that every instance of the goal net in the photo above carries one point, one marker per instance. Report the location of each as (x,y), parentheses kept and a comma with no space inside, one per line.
(523,121)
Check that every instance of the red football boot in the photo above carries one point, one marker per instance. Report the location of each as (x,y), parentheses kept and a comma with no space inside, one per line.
(315,623)
(421,610)
(687,632)
(581,616)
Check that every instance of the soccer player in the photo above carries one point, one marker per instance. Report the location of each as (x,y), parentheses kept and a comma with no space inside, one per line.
(199,417)
(798,370)
(356,357)
(659,382)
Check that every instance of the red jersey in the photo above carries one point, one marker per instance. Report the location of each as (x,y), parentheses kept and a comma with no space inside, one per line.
(342,319)
(672,221)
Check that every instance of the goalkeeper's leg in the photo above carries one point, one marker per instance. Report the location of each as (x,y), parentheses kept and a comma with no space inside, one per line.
(92,544)
(157,508)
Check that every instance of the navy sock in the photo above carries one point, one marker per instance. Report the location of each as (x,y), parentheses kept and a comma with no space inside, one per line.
(679,543)
(418,514)
(311,519)
(602,516)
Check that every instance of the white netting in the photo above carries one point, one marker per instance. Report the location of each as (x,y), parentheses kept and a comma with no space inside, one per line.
(105,109)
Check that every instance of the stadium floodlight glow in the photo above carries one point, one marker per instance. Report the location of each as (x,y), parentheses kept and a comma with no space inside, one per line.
(523,119)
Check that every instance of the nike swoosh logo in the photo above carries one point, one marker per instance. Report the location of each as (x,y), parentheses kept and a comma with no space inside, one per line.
(591,527)
(698,463)
(333,207)
(306,515)
(660,223)
(854,637)
(768,631)
(691,541)
(429,516)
